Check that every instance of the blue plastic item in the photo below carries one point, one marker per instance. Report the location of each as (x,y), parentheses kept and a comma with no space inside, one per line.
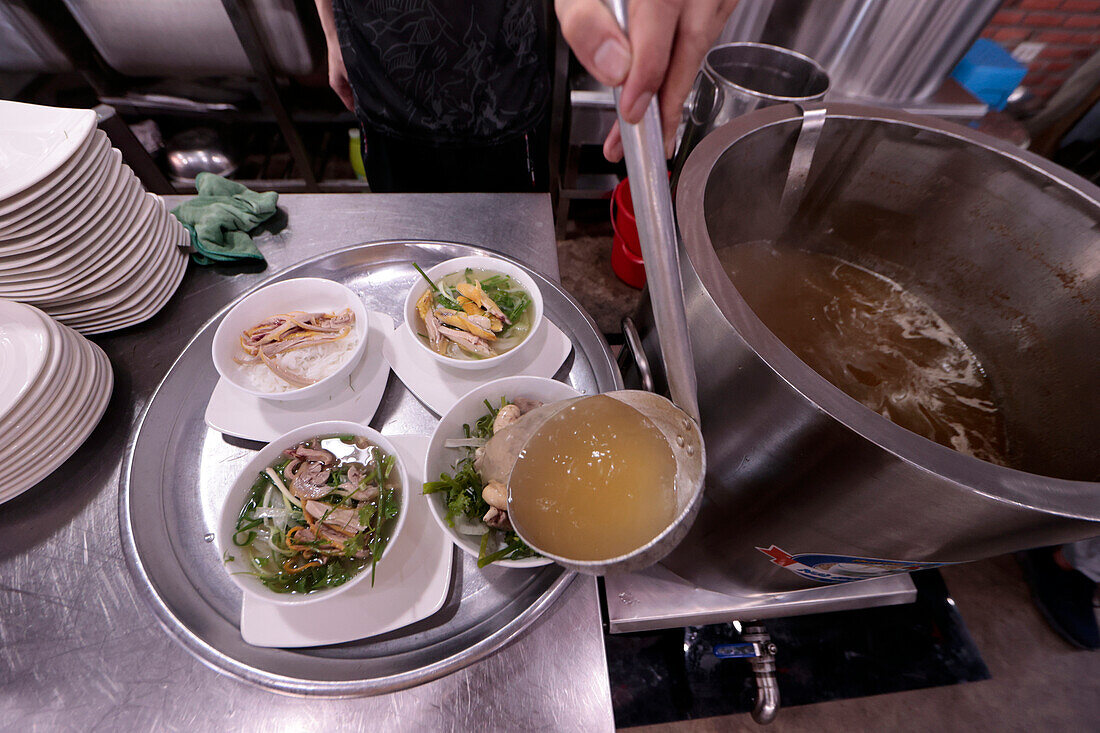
(989,73)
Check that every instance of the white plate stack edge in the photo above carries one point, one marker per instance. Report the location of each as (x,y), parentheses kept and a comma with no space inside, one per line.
(54,388)
(80,238)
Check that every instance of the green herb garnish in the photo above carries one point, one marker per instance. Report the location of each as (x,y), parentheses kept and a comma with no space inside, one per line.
(462,496)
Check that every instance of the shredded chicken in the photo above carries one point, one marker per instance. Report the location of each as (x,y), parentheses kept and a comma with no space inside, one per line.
(289,331)
(477,295)
(467,323)
(471,319)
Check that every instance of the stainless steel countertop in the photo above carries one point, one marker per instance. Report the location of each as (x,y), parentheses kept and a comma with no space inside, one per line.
(78,649)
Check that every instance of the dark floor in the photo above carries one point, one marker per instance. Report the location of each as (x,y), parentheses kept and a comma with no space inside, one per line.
(1038,682)
(584,257)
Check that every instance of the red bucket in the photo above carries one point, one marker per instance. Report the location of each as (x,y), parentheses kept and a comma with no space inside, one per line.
(626,265)
(622,217)
(626,250)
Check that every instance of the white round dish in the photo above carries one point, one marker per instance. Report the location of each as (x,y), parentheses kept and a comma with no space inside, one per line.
(47,426)
(234,499)
(301,294)
(44,386)
(480,262)
(35,141)
(439,387)
(25,346)
(415,584)
(467,410)
(49,455)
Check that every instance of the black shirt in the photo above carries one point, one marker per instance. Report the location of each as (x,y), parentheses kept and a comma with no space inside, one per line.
(471,72)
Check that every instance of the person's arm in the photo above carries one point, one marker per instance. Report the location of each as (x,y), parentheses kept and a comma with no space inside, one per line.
(668,39)
(337,73)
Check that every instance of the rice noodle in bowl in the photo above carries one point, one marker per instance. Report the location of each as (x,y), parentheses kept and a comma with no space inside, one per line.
(277,356)
(292,339)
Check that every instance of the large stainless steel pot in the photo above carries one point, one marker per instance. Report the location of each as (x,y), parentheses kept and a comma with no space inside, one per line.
(1002,243)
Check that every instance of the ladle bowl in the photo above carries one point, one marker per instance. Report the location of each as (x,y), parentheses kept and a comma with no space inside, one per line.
(683,437)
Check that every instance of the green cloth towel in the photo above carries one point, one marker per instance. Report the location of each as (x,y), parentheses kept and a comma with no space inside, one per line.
(221,216)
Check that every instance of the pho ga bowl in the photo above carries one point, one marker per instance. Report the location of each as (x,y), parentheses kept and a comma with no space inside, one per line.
(452,488)
(291,340)
(473,312)
(313,514)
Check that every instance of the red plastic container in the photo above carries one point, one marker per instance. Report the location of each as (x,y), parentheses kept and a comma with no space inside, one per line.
(622,217)
(626,265)
(626,250)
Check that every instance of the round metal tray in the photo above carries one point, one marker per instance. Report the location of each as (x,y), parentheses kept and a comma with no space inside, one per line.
(177,470)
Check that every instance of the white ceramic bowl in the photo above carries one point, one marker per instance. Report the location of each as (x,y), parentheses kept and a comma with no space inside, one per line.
(235,497)
(467,410)
(476,262)
(305,294)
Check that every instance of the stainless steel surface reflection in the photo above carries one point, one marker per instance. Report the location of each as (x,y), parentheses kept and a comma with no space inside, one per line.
(189,38)
(1001,243)
(881,51)
(79,647)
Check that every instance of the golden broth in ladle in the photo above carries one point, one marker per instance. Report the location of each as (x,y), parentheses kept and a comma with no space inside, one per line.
(598,480)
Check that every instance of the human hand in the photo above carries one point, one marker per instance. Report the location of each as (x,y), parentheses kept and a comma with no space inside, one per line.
(668,39)
(338,78)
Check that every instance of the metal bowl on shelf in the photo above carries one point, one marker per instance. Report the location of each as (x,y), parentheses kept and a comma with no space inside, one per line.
(196,151)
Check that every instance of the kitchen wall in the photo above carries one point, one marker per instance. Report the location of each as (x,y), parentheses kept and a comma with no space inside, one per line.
(1069,31)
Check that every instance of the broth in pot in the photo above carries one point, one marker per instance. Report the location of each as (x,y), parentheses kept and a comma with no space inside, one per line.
(880,344)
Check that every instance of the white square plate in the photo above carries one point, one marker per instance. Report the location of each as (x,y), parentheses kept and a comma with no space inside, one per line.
(238,413)
(36,140)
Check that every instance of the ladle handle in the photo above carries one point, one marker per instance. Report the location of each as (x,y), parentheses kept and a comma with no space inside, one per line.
(643,148)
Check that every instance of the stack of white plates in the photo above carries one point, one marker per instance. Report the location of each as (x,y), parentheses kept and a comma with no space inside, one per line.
(79,236)
(54,387)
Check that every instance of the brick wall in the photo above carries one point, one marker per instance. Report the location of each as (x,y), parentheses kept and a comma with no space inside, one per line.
(1070,30)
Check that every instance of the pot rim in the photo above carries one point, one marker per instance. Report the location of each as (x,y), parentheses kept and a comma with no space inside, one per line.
(1064,497)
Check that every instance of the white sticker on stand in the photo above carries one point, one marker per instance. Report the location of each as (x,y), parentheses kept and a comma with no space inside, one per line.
(439,387)
(238,413)
(412,582)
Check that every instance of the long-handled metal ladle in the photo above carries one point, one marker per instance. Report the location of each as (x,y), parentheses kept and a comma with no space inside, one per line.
(643,149)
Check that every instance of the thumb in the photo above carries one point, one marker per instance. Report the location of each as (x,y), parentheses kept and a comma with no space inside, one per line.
(596,39)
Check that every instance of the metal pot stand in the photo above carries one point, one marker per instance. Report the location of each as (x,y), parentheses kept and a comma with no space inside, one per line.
(177,470)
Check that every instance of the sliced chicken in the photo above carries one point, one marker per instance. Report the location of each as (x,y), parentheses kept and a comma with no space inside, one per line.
(497,519)
(343,520)
(505,417)
(495,495)
(467,341)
